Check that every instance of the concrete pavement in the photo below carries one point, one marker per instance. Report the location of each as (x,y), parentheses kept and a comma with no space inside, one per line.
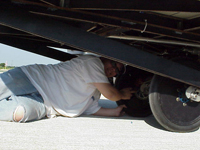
(95,133)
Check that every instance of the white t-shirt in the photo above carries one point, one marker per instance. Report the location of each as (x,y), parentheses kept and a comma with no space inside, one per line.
(67,87)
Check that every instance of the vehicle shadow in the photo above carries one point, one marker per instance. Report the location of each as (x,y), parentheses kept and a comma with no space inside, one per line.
(150,120)
(153,122)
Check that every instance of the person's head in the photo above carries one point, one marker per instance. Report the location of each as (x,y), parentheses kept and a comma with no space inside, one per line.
(112,68)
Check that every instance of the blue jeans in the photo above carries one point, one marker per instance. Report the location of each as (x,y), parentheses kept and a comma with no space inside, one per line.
(17,90)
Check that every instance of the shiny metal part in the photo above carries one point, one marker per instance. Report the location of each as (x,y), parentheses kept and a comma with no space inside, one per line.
(193,93)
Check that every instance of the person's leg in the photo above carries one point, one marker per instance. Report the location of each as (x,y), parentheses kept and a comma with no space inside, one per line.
(15,82)
(19,99)
(22,108)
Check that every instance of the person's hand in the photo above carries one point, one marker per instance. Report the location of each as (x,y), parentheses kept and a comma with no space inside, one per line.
(119,111)
(127,93)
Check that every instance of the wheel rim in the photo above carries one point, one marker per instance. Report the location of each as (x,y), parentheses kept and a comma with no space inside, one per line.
(143,92)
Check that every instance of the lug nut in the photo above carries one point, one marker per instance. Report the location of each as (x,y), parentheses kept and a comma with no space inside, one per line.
(178,99)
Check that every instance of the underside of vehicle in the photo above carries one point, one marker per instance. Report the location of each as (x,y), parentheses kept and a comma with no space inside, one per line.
(158,40)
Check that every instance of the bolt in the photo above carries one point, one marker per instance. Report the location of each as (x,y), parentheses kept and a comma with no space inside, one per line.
(184,104)
(177,99)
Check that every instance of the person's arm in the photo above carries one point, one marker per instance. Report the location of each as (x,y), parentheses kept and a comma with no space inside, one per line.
(110,112)
(112,93)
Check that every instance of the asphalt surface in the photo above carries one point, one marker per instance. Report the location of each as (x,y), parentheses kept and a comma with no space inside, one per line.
(95,133)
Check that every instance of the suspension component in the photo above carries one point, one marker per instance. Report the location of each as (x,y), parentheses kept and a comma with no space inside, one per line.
(193,93)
